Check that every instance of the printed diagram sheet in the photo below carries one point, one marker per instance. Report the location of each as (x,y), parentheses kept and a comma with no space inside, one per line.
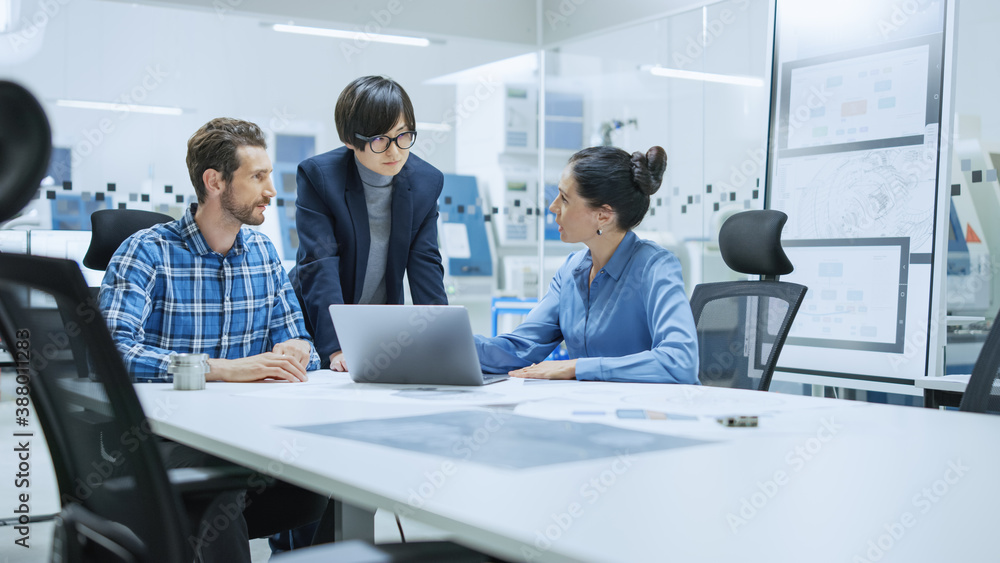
(865,194)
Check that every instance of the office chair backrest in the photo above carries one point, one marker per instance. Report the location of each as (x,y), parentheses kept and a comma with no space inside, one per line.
(113,488)
(25,148)
(750,243)
(982,393)
(742,325)
(110,228)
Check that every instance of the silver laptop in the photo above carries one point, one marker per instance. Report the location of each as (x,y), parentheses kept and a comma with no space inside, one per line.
(424,344)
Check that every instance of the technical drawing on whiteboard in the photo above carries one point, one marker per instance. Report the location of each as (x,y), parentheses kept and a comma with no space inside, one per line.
(860,194)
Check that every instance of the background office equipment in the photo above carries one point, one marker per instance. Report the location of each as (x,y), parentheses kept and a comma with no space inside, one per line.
(71,245)
(466,245)
(742,325)
(14,242)
(857,119)
(973,290)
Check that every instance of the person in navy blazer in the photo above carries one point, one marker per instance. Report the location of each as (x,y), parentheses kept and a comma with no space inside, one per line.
(351,229)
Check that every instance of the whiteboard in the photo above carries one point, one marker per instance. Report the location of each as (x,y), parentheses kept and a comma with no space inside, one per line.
(853,160)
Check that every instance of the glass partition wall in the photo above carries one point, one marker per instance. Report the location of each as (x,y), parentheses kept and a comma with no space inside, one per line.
(694,82)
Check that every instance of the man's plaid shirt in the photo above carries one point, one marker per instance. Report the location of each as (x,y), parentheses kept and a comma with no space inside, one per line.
(165,291)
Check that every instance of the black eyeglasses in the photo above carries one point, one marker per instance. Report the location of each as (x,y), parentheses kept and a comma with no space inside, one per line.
(380,143)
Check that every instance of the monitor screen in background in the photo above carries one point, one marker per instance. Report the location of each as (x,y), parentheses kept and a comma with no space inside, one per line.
(857,293)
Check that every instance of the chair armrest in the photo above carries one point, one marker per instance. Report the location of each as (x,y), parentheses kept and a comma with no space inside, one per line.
(357,551)
(196,481)
(75,523)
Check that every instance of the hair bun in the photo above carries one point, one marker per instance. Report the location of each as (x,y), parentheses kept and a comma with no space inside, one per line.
(647,169)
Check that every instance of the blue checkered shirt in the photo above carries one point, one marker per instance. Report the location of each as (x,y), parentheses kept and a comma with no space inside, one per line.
(165,291)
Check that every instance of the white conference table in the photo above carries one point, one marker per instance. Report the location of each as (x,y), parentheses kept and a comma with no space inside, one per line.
(817,480)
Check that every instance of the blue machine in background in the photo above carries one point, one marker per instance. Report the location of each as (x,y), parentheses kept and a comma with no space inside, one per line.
(463,228)
(959,262)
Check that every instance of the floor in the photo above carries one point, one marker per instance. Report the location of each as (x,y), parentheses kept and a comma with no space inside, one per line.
(43,498)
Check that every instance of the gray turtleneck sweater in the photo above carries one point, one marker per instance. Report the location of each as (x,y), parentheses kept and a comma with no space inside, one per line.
(378,196)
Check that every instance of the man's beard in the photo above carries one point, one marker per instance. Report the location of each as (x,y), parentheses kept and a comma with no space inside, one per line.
(245,214)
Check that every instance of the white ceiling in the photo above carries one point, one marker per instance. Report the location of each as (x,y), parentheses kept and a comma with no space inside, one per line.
(510,21)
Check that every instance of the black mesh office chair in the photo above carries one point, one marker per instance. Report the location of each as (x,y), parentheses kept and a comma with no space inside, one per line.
(982,394)
(110,228)
(118,502)
(742,325)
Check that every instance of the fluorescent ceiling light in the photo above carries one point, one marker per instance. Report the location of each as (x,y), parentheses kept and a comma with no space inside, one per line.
(358,35)
(425,126)
(109,106)
(703,76)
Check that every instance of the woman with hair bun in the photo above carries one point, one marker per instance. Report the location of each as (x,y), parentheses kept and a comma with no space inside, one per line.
(619,305)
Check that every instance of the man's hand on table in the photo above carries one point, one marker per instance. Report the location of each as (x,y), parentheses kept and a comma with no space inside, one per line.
(298,349)
(287,362)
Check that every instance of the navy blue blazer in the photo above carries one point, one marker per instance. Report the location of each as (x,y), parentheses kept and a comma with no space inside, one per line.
(334,237)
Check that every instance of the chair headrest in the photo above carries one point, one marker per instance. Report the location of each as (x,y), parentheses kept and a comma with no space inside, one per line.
(750,243)
(25,148)
(110,229)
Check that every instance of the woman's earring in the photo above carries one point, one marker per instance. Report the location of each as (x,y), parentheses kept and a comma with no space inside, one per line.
(599,232)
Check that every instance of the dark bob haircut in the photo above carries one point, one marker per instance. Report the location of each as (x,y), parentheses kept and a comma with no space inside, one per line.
(370,106)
